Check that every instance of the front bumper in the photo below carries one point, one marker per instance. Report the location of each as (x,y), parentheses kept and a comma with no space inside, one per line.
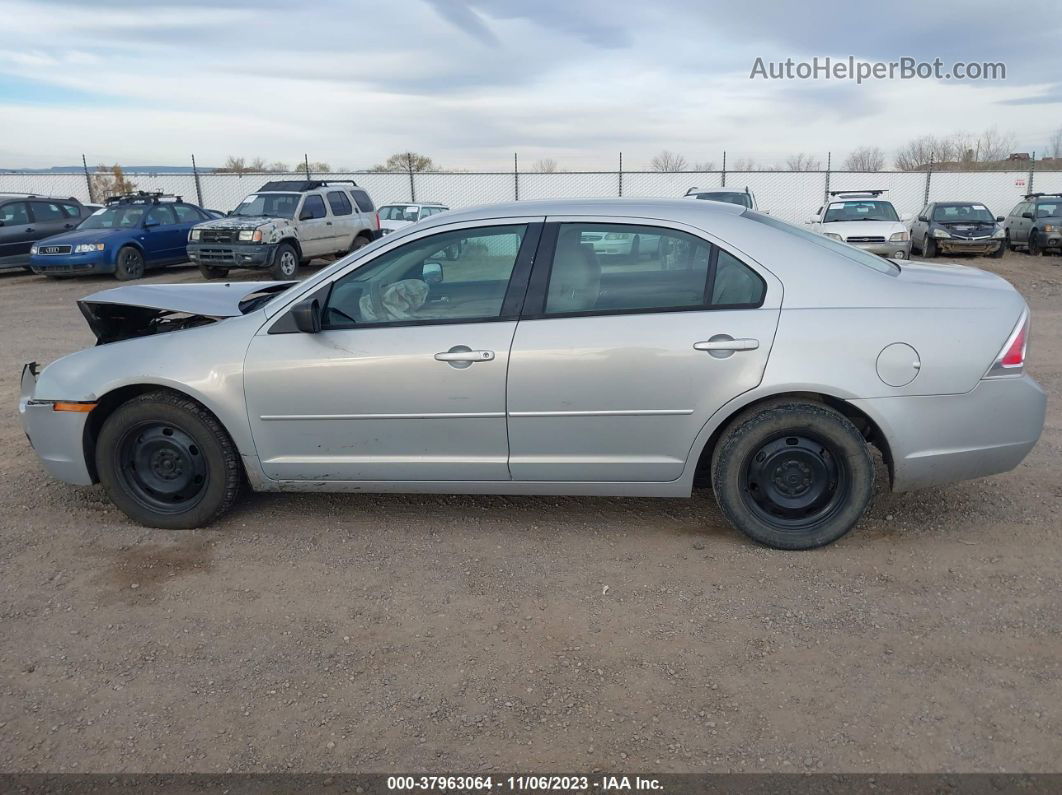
(937,439)
(891,250)
(93,262)
(232,255)
(958,245)
(56,436)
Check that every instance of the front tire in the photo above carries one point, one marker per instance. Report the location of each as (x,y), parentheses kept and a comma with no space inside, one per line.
(285,263)
(1035,249)
(130,264)
(929,247)
(793,476)
(166,462)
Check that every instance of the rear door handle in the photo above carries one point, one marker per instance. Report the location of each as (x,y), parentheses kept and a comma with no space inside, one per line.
(724,343)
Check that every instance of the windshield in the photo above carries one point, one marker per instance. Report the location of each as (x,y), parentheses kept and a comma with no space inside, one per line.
(271,205)
(963,214)
(860,210)
(399,212)
(114,218)
(851,252)
(731,197)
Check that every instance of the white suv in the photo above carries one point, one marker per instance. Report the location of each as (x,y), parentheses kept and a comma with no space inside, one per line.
(394,216)
(284,224)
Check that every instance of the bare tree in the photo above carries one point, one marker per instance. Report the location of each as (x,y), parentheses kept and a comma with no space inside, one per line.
(278,167)
(110,181)
(744,164)
(920,153)
(406,161)
(802,162)
(233,165)
(1054,144)
(703,165)
(668,161)
(865,158)
(546,165)
(319,166)
(993,146)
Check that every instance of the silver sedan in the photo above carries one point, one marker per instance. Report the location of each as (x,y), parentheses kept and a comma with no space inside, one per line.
(741,352)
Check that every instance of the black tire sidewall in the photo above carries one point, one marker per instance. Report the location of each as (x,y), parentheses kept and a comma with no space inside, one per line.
(211,272)
(120,272)
(216,450)
(929,249)
(276,271)
(742,439)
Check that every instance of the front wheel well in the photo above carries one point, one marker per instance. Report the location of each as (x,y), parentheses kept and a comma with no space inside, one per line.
(293,242)
(866,426)
(107,405)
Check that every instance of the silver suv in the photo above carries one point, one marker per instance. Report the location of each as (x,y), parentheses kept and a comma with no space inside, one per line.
(284,224)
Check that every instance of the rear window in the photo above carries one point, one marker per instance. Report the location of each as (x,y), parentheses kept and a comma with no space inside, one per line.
(730,197)
(879,264)
(364,202)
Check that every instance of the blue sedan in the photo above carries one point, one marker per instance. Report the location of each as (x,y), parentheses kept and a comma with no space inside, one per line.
(129,235)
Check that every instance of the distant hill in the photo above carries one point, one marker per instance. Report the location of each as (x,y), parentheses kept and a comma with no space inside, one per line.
(126,169)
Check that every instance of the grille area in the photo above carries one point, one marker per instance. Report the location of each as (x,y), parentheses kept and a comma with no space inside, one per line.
(54,249)
(218,235)
(870,239)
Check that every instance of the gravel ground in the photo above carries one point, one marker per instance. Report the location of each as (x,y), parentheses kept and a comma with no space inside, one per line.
(385,633)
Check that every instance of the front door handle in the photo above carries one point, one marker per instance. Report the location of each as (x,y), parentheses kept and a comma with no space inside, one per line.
(461,356)
(722,342)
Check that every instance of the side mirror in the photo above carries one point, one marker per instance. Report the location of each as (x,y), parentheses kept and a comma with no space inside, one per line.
(923,218)
(1000,219)
(1027,215)
(431,272)
(307,316)
(812,221)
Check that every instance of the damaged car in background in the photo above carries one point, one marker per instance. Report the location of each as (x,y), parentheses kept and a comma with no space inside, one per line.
(742,353)
(957,228)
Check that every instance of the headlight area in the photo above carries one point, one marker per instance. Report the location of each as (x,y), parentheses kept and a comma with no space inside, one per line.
(900,237)
(250,235)
(88,248)
(194,234)
(940,233)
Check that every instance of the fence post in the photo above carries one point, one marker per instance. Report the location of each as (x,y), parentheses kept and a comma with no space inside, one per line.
(724,168)
(516,176)
(88,179)
(198,186)
(412,185)
(829,163)
(929,177)
(621,175)
(306,164)
(1032,172)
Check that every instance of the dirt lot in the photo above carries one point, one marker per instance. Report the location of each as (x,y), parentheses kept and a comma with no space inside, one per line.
(380,633)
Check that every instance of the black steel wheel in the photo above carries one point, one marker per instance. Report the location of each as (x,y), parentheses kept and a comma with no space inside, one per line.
(792,475)
(130,264)
(167,462)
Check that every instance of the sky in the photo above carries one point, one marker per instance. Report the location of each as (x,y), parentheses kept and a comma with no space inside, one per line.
(469,82)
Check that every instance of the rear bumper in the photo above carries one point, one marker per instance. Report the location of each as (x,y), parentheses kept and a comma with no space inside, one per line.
(56,436)
(232,255)
(937,439)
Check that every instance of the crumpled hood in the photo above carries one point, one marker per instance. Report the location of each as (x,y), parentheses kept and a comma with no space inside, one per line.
(242,222)
(210,300)
(847,229)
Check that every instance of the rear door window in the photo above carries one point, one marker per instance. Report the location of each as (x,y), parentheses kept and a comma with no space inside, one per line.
(339,203)
(163,216)
(47,212)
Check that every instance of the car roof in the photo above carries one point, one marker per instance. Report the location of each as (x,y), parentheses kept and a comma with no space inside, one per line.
(663,209)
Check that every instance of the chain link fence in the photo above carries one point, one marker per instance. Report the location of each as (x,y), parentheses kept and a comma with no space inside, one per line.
(789,195)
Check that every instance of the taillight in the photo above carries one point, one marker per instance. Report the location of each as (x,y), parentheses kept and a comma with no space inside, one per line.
(377,222)
(1011,359)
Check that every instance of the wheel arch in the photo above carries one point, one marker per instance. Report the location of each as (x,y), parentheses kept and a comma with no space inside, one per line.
(109,402)
(292,241)
(866,425)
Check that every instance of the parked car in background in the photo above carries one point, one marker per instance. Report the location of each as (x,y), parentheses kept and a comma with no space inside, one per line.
(1035,223)
(957,228)
(126,237)
(284,224)
(743,198)
(395,216)
(750,353)
(864,220)
(26,218)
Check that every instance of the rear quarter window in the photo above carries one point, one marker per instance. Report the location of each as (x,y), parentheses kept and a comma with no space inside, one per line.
(363,201)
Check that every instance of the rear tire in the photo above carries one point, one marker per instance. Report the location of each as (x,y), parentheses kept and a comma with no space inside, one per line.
(285,263)
(793,476)
(359,242)
(213,272)
(167,462)
(130,264)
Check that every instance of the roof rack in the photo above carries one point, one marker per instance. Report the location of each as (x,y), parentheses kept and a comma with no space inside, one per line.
(1038,195)
(143,197)
(876,192)
(302,185)
(694,190)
